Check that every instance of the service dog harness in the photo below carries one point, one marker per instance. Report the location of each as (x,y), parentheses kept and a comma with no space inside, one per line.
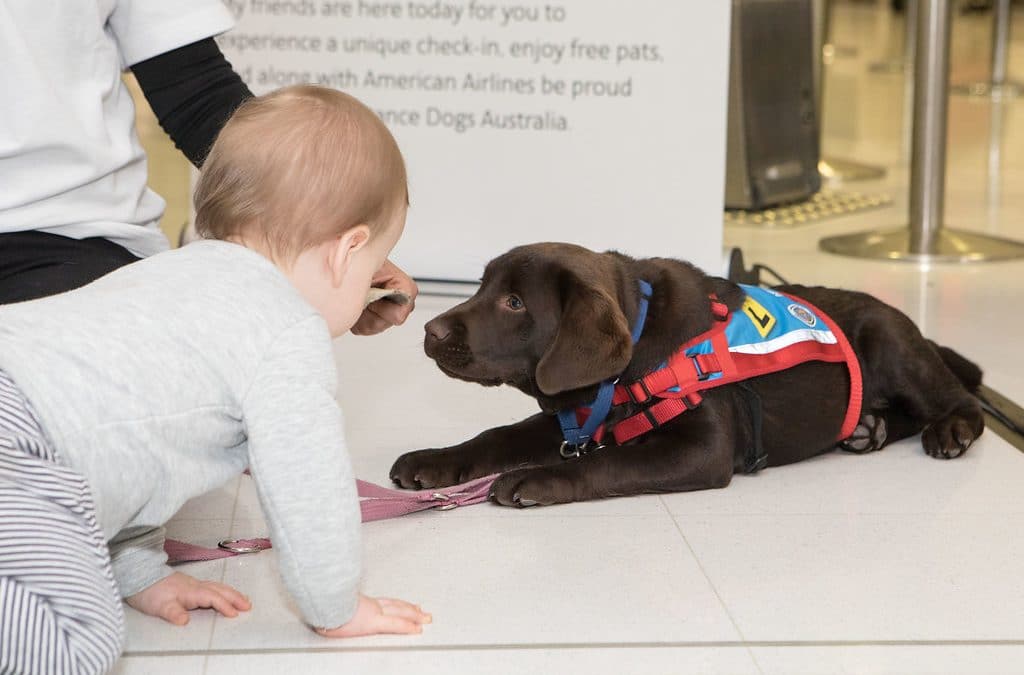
(770,332)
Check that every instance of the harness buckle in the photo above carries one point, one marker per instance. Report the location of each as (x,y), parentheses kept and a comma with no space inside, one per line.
(701,375)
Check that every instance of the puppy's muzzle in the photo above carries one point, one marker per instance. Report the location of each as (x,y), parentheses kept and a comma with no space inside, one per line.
(444,341)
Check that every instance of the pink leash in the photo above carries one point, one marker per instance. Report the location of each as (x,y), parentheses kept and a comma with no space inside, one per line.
(376,503)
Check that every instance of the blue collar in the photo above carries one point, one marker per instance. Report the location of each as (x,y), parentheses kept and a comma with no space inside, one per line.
(577,437)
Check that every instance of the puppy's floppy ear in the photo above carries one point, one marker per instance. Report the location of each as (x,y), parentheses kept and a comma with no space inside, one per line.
(593,341)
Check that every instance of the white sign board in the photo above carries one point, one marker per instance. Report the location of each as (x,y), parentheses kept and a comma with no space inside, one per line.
(593,121)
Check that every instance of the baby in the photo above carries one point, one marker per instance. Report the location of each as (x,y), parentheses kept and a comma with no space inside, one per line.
(122,400)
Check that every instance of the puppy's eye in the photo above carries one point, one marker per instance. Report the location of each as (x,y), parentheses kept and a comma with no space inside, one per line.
(514,303)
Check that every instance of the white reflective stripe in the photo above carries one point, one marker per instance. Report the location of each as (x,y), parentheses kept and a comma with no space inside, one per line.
(775,344)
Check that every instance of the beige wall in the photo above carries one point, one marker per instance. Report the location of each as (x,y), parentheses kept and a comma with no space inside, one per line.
(168,168)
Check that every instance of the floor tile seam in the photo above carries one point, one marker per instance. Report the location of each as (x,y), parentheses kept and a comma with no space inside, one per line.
(869,514)
(711,584)
(238,496)
(656,514)
(569,646)
(224,566)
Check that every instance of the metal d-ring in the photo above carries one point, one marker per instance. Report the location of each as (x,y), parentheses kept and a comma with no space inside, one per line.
(569,451)
(443,497)
(230,545)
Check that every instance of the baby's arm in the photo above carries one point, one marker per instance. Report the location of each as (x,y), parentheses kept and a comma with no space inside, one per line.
(307,488)
(137,558)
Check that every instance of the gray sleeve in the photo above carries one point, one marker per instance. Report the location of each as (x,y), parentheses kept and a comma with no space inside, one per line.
(138,560)
(303,475)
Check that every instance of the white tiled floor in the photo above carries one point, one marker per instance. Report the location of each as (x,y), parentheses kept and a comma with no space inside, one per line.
(886,563)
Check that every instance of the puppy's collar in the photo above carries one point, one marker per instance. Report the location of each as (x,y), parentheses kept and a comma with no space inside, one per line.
(577,436)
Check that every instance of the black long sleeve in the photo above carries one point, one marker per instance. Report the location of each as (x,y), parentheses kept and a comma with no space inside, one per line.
(193,90)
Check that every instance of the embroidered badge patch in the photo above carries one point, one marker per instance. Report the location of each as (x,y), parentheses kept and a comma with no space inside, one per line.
(761,318)
(803,315)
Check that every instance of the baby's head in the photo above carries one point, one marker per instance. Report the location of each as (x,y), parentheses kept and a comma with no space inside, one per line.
(311,178)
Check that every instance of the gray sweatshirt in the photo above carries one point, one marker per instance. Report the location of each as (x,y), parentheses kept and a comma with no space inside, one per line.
(170,376)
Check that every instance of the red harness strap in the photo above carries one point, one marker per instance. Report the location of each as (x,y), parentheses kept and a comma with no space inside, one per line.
(679,383)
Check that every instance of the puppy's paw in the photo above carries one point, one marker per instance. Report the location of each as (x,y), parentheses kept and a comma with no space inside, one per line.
(950,437)
(870,435)
(432,468)
(531,487)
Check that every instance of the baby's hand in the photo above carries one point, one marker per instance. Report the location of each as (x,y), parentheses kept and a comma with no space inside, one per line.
(172,597)
(381,615)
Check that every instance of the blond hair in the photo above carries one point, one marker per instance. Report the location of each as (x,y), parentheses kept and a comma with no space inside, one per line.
(299,166)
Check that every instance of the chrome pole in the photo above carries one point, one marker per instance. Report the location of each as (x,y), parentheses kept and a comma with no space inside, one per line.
(926,240)
(994,172)
(910,32)
(928,152)
(905,64)
(909,47)
(832,168)
(998,86)
(1000,41)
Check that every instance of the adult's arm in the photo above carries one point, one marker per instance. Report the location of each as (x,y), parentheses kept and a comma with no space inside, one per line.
(193,90)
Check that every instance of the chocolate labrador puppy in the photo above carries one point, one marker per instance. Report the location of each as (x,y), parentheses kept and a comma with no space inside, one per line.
(554,321)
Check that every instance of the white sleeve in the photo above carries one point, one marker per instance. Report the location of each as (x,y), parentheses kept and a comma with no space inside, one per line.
(146,28)
(303,474)
(137,559)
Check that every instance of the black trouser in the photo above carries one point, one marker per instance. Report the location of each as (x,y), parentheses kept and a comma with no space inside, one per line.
(37,264)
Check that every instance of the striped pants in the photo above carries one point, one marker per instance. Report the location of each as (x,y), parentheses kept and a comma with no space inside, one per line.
(60,611)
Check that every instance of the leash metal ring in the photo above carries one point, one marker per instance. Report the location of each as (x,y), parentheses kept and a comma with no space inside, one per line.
(443,497)
(229,545)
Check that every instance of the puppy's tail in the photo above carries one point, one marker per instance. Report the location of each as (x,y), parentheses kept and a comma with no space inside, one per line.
(965,370)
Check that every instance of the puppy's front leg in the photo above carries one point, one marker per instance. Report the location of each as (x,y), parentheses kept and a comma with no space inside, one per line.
(532,442)
(669,460)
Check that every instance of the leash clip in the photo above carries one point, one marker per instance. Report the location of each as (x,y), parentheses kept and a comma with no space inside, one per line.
(570,451)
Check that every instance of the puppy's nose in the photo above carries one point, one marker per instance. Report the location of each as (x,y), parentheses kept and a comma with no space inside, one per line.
(438,330)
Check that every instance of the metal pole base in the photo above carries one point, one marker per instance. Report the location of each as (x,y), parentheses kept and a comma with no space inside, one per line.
(988,90)
(847,170)
(953,246)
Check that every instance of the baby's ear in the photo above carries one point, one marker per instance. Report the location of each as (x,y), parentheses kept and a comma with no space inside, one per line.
(340,251)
